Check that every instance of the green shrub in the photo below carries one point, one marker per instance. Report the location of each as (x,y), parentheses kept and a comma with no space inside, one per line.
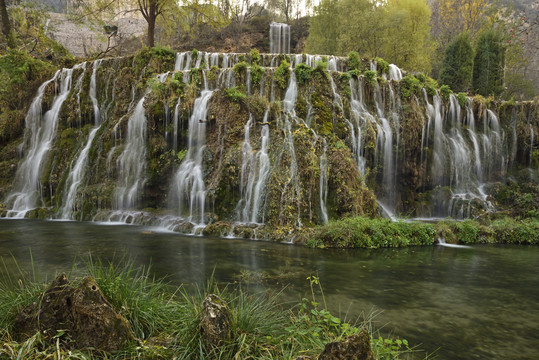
(371,77)
(409,85)
(256,74)
(360,232)
(463,99)
(240,68)
(303,73)
(382,65)
(445,91)
(282,74)
(354,61)
(234,94)
(255,57)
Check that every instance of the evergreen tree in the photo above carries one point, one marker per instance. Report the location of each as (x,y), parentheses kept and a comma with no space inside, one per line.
(457,67)
(489,62)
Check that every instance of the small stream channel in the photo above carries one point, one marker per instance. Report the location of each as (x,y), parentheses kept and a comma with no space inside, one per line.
(464,303)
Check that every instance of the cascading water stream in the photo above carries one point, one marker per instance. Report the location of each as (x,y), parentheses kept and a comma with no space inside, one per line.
(39,135)
(279,38)
(188,191)
(324,183)
(255,170)
(78,170)
(132,161)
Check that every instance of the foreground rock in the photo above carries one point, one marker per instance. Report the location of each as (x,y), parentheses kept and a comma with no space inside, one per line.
(82,312)
(356,347)
(215,321)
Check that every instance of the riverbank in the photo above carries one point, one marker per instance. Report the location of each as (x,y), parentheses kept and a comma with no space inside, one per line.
(165,322)
(359,232)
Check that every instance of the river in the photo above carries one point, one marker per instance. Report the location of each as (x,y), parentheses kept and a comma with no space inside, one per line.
(479,302)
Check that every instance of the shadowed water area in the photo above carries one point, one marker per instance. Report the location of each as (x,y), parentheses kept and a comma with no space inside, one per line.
(471,303)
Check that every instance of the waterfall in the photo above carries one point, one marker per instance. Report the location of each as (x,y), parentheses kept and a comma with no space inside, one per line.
(289,103)
(247,173)
(39,136)
(324,183)
(75,177)
(188,186)
(395,73)
(384,151)
(279,38)
(132,162)
(255,170)
(78,171)
(360,116)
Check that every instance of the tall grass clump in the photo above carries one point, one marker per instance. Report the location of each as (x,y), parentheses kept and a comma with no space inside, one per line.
(166,320)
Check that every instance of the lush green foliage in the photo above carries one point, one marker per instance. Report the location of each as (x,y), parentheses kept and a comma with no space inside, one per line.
(457,66)
(362,232)
(256,73)
(445,91)
(489,64)
(371,77)
(462,98)
(234,94)
(409,85)
(255,57)
(354,61)
(371,233)
(303,73)
(381,65)
(282,74)
(396,30)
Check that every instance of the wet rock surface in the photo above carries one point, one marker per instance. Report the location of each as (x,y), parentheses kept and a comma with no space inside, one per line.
(83,312)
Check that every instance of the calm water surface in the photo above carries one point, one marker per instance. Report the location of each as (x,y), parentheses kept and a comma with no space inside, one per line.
(469,303)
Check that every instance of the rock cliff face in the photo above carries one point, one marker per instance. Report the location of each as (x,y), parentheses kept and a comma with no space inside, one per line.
(247,145)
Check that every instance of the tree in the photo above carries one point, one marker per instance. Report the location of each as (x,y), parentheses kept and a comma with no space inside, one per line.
(149,9)
(408,43)
(6,28)
(324,28)
(362,28)
(489,62)
(457,66)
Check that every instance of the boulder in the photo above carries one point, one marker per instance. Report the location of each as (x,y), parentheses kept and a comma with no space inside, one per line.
(215,321)
(82,312)
(356,347)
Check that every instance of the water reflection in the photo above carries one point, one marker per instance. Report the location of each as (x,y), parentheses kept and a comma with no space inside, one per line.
(479,302)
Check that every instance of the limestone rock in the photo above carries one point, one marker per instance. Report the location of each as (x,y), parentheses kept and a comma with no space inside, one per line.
(215,321)
(356,347)
(83,312)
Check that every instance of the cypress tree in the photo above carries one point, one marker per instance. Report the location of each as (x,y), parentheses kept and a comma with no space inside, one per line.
(489,64)
(457,66)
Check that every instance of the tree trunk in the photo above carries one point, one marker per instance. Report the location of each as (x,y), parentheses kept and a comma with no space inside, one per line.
(151,31)
(6,28)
